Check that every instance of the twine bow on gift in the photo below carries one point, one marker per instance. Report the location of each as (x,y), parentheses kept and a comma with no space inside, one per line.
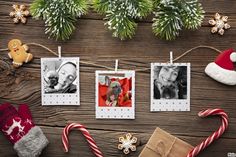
(161,148)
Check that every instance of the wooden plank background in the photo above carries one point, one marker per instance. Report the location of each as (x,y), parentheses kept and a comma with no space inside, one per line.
(93,42)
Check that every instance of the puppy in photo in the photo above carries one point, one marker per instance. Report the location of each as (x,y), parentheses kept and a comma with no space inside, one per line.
(59,77)
(113,91)
(60,81)
(170,87)
(168,92)
(51,79)
(115,94)
(169,83)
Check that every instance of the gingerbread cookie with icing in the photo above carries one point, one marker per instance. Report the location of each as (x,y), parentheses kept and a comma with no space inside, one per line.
(18,52)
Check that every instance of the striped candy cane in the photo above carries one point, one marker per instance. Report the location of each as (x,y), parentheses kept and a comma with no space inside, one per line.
(215,135)
(86,134)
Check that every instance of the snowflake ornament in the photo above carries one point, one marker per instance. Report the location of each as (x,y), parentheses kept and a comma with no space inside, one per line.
(29,121)
(220,23)
(19,14)
(127,143)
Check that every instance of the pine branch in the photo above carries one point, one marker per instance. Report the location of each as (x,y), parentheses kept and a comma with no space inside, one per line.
(167,22)
(59,15)
(101,6)
(120,15)
(37,8)
(122,26)
(144,7)
(173,15)
(191,14)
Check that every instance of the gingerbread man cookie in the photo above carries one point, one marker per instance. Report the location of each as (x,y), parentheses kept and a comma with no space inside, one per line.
(18,52)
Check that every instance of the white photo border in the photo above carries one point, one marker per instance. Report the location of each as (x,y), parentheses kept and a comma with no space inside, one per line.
(61,98)
(115,112)
(171,104)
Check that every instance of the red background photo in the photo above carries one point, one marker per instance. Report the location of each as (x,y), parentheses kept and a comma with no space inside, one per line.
(124,98)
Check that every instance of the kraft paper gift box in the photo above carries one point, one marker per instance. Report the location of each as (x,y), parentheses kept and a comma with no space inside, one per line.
(163,144)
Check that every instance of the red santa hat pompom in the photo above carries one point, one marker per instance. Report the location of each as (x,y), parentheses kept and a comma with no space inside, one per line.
(222,69)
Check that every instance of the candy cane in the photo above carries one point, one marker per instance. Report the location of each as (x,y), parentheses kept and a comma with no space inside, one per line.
(86,134)
(215,135)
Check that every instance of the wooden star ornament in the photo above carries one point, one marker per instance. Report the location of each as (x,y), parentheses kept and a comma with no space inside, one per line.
(127,143)
(19,13)
(219,23)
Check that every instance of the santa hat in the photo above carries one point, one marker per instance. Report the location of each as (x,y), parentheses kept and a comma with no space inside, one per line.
(222,69)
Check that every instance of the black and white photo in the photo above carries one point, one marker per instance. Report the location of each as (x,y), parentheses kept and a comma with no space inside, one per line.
(60,79)
(170,82)
(170,85)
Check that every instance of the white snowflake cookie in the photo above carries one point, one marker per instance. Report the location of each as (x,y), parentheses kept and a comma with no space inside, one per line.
(127,143)
(219,23)
(19,14)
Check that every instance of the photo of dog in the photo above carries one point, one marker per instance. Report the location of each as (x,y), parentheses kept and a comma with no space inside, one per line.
(115,98)
(170,87)
(59,77)
(168,92)
(170,82)
(115,91)
(51,79)
(60,81)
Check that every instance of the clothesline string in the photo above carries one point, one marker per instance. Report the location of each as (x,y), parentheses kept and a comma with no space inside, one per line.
(109,68)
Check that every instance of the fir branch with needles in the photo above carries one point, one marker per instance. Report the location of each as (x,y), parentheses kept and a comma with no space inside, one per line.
(171,16)
(121,15)
(60,16)
(191,14)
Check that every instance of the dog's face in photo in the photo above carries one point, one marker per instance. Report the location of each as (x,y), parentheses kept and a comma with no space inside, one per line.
(169,92)
(113,91)
(52,79)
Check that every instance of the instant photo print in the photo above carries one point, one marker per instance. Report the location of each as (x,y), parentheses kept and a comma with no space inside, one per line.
(115,94)
(170,87)
(60,81)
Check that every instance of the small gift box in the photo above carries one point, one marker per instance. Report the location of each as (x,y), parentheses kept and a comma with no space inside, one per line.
(163,144)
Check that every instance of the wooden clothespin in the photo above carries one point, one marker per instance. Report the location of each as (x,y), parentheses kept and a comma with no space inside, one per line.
(59,52)
(116,65)
(171,57)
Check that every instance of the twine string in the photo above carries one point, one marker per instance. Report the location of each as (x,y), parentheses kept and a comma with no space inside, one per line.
(46,48)
(6,49)
(110,68)
(196,47)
